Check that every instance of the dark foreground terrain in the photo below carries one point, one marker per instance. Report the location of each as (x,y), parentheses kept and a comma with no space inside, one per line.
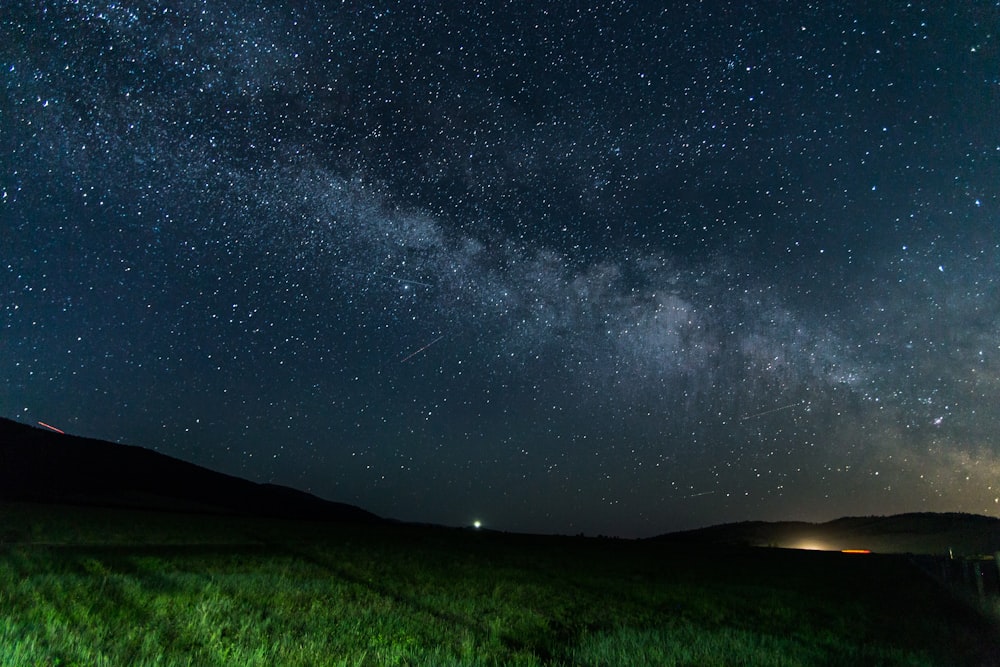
(91,586)
(116,555)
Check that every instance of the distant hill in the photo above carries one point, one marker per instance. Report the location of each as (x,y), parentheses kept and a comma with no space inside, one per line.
(43,466)
(917,533)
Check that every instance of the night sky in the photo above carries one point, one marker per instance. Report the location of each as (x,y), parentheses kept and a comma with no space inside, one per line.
(560,267)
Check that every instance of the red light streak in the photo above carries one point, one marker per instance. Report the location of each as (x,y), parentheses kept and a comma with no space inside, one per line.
(52,428)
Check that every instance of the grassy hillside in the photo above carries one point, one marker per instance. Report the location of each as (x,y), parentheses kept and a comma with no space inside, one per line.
(112,587)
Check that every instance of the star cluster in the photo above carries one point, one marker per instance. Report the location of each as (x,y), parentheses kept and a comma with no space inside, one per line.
(614,268)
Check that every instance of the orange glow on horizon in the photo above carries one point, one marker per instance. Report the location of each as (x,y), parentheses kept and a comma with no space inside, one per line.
(855,551)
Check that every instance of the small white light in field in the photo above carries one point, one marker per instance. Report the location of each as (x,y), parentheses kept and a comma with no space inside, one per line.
(477,524)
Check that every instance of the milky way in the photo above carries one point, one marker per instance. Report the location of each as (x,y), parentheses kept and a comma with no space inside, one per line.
(608,269)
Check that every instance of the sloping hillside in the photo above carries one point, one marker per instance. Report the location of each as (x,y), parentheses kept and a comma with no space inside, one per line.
(43,466)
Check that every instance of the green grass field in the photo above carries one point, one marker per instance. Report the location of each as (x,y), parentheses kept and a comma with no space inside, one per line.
(103,587)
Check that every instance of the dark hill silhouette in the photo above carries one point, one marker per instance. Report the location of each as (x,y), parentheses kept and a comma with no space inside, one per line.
(916,533)
(43,466)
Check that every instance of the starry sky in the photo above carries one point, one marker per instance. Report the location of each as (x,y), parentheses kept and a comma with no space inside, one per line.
(615,268)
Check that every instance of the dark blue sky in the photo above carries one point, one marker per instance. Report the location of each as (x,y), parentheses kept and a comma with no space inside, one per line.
(556,266)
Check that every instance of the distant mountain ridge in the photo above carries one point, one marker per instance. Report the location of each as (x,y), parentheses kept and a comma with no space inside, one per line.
(43,466)
(38,465)
(917,533)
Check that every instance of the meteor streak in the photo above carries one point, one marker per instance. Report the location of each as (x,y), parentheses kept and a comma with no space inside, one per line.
(418,351)
(407,281)
(767,412)
(52,428)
